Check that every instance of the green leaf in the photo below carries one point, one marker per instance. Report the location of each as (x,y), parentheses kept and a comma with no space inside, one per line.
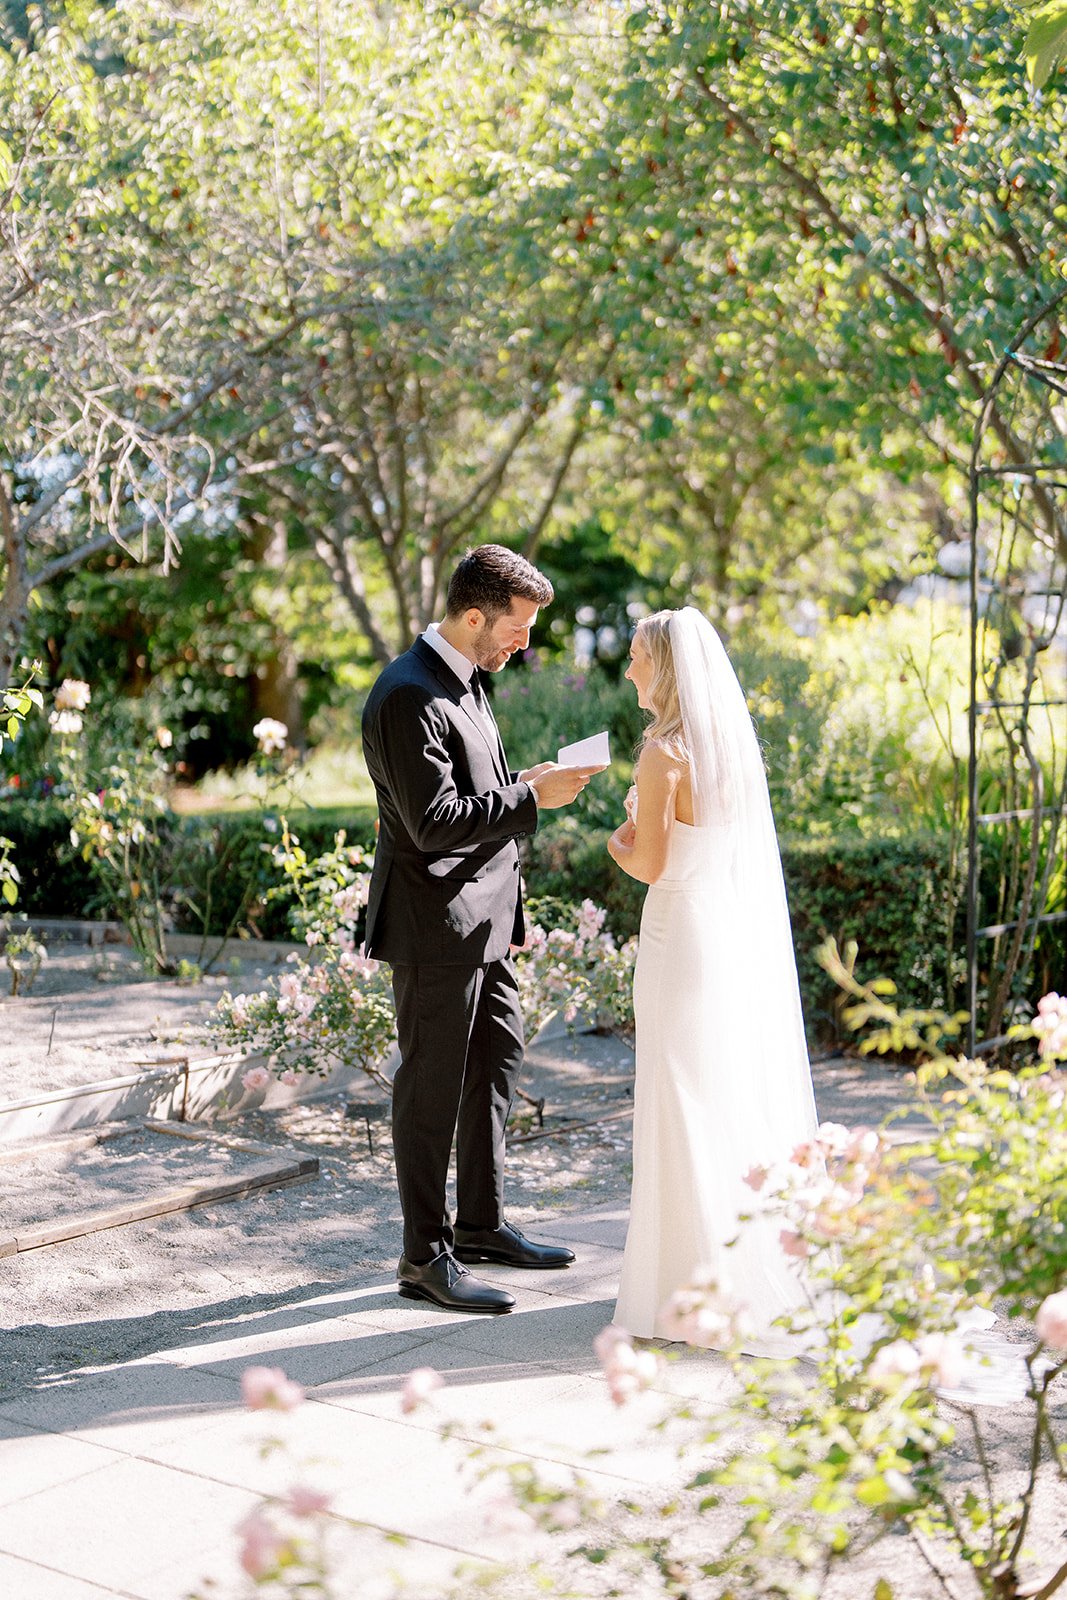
(10,890)
(12,727)
(882,1590)
(1046,40)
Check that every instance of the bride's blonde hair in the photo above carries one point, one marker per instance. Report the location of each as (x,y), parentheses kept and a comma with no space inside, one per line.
(666,727)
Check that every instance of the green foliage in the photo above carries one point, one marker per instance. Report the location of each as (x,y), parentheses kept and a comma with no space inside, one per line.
(212,861)
(334,1008)
(1046,41)
(17,703)
(572,967)
(897,1240)
(886,893)
(23,952)
(539,708)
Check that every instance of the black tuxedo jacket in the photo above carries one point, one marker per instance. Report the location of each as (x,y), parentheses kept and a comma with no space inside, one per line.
(445,887)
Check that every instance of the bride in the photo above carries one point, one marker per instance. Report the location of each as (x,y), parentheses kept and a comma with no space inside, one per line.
(723,1082)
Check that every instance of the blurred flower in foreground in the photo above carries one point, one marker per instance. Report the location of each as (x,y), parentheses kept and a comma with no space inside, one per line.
(270,735)
(627,1370)
(268,1389)
(419,1386)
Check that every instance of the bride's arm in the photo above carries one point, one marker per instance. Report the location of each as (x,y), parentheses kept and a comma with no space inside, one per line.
(641,849)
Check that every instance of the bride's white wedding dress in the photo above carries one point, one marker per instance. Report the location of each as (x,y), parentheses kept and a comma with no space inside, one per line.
(712,1097)
(723,1080)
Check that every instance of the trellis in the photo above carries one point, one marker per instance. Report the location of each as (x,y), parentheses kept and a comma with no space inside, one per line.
(1017,770)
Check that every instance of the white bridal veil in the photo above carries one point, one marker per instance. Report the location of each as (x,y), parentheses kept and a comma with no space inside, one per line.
(758,1060)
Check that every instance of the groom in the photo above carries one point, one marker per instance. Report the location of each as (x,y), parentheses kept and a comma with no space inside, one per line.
(445,912)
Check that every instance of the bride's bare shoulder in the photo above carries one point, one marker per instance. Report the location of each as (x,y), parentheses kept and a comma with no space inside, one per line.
(658,760)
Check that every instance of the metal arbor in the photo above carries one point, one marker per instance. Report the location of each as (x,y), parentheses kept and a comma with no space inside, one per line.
(1017,769)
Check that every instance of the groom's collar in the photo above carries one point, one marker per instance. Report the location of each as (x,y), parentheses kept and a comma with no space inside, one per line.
(460,664)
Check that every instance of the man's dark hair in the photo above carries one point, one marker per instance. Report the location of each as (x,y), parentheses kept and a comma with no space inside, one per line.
(489,577)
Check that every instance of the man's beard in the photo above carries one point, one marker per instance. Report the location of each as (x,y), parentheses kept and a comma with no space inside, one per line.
(487,652)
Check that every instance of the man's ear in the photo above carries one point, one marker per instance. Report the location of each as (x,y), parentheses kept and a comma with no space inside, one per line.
(473,619)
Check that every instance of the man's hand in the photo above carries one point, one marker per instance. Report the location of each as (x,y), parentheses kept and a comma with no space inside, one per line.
(554,785)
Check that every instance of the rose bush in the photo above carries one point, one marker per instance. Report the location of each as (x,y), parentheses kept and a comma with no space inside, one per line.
(899,1236)
(334,1007)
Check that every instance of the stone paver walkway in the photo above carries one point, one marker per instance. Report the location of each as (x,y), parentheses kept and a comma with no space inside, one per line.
(128,1480)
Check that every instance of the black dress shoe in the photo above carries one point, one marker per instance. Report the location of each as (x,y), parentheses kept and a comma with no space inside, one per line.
(447,1284)
(509,1248)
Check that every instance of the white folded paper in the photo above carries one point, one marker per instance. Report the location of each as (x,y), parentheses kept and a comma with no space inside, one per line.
(591,752)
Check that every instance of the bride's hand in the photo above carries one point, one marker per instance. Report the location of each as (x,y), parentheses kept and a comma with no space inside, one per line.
(625,833)
(630,803)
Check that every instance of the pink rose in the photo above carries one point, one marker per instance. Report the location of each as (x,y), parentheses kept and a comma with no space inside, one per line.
(262,1546)
(794,1244)
(863,1145)
(268,1389)
(1050,1025)
(1051,1321)
(805,1155)
(833,1137)
(756,1177)
(504,1516)
(256,1078)
(942,1358)
(626,1369)
(289,1077)
(419,1386)
(894,1364)
(305,1502)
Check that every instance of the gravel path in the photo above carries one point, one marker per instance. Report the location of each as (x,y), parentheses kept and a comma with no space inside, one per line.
(94,1014)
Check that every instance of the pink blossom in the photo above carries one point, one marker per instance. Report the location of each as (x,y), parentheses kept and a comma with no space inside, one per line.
(262,1546)
(942,1358)
(756,1177)
(239,1009)
(793,1244)
(627,1370)
(805,1155)
(894,1364)
(504,1516)
(698,1316)
(289,986)
(419,1386)
(833,1137)
(289,1077)
(347,902)
(268,1389)
(256,1078)
(1050,1026)
(1051,1321)
(864,1143)
(303,1501)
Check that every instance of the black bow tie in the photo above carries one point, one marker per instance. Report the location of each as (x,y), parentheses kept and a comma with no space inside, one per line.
(478,691)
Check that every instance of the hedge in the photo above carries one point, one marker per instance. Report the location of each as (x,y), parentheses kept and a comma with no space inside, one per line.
(889,894)
(213,859)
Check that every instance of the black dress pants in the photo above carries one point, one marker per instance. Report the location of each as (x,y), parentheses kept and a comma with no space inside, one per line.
(461,1048)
